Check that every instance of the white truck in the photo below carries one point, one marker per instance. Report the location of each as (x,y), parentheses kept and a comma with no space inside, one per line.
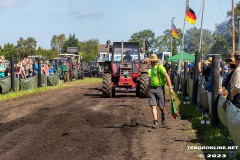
(164,56)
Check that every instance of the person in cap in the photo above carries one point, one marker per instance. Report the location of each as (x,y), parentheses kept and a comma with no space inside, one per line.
(235,82)
(156,95)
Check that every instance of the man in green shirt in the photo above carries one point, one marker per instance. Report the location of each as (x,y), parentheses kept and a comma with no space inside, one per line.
(158,78)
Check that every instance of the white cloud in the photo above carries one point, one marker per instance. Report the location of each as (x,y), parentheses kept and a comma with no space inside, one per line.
(12,3)
(80,15)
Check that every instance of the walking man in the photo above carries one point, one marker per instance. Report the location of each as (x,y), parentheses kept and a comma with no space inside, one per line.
(156,96)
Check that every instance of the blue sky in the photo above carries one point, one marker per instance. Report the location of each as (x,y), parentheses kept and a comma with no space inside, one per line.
(102,19)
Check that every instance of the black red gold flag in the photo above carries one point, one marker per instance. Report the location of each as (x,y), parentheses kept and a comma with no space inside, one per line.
(174,31)
(190,16)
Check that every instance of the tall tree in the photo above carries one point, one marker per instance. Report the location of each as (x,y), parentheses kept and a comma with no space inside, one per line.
(222,39)
(72,41)
(142,36)
(163,43)
(26,47)
(89,49)
(9,51)
(192,40)
(57,42)
(49,54)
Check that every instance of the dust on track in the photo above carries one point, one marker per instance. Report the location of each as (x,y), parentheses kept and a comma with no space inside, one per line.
(77,123)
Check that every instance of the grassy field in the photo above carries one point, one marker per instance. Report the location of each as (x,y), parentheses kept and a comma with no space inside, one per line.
(13,95)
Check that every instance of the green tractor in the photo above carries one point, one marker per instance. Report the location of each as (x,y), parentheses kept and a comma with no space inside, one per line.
(62,69)
(69,67)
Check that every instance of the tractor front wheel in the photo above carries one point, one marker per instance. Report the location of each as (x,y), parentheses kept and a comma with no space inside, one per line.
(144,81)
(107,85)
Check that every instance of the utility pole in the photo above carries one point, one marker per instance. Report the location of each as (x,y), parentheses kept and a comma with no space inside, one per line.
(184,23)
(238,32)
(233,31)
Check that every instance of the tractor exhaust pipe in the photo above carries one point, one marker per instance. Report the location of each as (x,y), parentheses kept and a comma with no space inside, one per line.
(122,53)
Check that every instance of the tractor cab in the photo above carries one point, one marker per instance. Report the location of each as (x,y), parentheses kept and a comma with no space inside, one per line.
(123,71)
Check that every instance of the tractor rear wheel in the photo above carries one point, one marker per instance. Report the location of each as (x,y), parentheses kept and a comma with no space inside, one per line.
(107,85)
(144,81)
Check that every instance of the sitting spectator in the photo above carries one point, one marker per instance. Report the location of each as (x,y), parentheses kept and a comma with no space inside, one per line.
(2,69)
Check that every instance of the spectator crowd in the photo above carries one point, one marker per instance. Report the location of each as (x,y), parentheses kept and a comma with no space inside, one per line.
(25,68)
(229,76)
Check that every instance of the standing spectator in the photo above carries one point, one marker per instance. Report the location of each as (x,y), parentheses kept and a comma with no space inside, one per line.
(35,67)
(30,67)
(25,69)
(221,75)
(3,59)
(18,69)
(2,69)
(46,68)
(227,82)
(207,69)
(235,82)
(51,70)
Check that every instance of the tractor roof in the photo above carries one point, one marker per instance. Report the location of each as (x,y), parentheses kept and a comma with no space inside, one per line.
(126,44)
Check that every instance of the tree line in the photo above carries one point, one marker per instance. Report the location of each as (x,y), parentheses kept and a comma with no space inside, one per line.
(218,41)
(59,43)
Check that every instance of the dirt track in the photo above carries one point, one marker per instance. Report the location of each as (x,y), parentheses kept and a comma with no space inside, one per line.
(77,124)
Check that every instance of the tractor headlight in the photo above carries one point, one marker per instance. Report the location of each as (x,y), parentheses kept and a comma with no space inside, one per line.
(106,67)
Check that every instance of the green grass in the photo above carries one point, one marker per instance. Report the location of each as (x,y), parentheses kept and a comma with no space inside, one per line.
(13,95)
(89,80)
(207,135)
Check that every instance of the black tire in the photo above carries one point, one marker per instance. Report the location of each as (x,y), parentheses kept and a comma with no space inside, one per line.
(144,81)
(113,92)
(107,85)
(138,91)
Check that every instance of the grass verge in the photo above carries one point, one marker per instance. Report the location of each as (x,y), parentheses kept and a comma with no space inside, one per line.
(13,95)
(207,135)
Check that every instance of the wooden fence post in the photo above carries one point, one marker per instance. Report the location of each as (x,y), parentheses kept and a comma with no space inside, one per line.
(215,89)
(12,75)
(195,79)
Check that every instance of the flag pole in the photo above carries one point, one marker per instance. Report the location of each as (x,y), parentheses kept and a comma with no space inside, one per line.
(171,34)
(200,45)
(187,4)
(233,31)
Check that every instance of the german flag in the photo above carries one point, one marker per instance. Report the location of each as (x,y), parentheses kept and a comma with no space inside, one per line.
(190,16)
(174,31)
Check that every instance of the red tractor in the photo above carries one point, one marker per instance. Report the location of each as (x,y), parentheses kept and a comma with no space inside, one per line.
(125,70)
